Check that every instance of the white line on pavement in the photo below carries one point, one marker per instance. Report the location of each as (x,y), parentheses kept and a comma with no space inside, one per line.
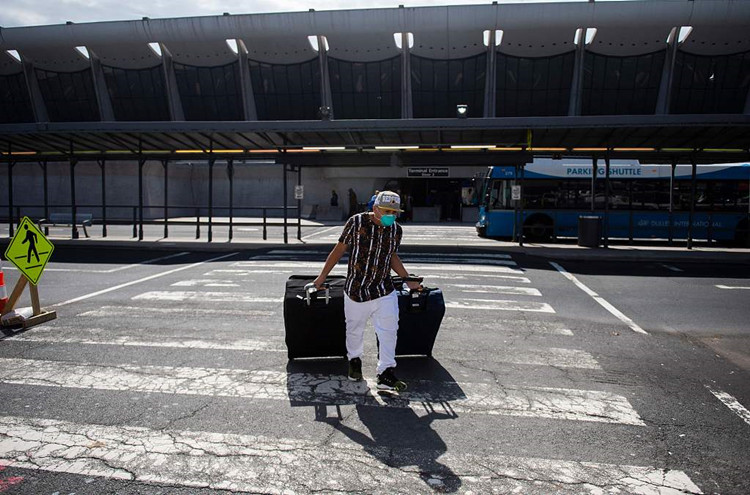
(112,270)
(496,289)
(146,312)
(205,283)
(732,403)
(500,305)
(731,287)
(163,295)
(257,464)
(319,233)
(599,299)
(145,279)
(476,398)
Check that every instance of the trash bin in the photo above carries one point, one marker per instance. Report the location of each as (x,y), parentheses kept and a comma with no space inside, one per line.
(589,231)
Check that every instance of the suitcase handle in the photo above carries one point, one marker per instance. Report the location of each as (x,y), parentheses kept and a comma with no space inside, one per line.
(311,290)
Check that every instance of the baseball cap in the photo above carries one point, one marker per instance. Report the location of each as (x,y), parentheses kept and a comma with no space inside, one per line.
(388,200)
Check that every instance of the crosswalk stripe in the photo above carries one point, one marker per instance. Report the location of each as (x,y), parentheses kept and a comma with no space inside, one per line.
(500,305)
(98,336)
(235,297)
(495,289)
(286,253)
(526,327)
(248,463)
(316,266)
(149,312)
(205,283)
(475,398)
(474,276)
(556,357)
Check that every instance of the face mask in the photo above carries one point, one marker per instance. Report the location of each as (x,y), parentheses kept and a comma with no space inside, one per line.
(388,220)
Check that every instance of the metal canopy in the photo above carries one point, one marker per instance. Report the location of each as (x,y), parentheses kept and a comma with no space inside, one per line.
(715,138)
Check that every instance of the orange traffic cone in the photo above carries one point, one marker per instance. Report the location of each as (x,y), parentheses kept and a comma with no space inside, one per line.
(3,292)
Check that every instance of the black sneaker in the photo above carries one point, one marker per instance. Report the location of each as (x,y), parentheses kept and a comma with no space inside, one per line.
(355,369)
(387,381)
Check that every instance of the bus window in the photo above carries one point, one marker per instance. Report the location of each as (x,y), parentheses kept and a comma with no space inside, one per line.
(499,194)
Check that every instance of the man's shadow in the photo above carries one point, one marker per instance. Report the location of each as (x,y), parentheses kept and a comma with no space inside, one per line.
(400,428)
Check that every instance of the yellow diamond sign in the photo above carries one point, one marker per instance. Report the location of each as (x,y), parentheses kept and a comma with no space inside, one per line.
(29,250)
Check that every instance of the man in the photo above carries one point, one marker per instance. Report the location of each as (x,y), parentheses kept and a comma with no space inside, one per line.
(372,239)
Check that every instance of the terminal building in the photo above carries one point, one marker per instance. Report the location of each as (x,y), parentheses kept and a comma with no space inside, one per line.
(208,114)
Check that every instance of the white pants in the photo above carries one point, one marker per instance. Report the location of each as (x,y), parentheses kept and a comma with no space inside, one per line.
(384,312)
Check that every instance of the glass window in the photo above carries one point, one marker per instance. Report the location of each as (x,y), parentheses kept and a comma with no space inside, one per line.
(533,86)
(15,105)
(621,85)
(710,84)
(210,93)
(137,95)
(286,92)
(69,96)
(438,86)
(370,90)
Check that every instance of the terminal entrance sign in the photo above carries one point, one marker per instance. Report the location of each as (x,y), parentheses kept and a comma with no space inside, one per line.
(29,250)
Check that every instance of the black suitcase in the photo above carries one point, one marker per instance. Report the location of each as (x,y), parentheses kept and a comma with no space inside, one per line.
(419,316)
(314,328)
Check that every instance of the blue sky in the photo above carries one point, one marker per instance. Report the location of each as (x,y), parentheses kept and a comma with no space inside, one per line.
(39,12)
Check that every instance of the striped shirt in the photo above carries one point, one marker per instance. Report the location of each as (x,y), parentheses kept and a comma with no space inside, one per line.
(370,249)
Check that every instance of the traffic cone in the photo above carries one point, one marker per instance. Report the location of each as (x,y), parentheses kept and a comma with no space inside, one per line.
(3,292)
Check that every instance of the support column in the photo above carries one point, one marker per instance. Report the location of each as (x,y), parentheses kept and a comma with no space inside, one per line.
(106,112)
(490,81)
(299,205)
(35,94)
(173,95)
(692,202)
(246,83)
(521,201)
(43,164)
(594,167)
(102,166)
(74,228)
(141,163)
(576,87)
(286,238)
(671,200)
(230,174)
(165,165)
(326,98)
(211,163)
(11,163)
(663,100)
(606,200)
(407,105)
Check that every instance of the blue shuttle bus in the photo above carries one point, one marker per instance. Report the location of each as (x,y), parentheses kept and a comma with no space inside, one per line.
(643,202)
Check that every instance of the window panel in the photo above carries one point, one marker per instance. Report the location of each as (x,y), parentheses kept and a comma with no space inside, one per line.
(367,90)
(69,96)
(439,85)
(710,84)
(286,92)
(533,86)
(137,95)
(15,105)
(210,93)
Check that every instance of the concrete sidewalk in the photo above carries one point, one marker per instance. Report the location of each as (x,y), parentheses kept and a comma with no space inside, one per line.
(443,237)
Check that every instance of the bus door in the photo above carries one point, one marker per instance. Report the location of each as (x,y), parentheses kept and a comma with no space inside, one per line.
(497,215)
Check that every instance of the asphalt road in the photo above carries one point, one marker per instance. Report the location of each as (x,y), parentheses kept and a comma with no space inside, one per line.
(166,372)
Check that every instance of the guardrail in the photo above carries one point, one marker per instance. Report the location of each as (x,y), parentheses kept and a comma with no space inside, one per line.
(138,221)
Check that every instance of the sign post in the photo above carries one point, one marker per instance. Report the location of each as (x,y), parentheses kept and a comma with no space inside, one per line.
(29,251)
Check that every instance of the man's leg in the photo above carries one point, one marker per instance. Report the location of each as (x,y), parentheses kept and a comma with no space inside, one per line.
(356,318)
(385,319)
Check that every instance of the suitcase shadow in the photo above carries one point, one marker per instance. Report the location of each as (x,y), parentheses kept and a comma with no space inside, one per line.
(400,427)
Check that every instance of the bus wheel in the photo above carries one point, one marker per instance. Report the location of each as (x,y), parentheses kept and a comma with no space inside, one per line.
(538,228)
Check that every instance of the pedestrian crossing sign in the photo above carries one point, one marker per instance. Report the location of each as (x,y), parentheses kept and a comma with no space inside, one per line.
(29,250)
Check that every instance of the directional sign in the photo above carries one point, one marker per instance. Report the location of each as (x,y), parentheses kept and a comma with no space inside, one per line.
(29,250)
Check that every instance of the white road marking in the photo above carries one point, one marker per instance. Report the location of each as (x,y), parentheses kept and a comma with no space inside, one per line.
(554,356)
(510,278)
(402,255)
(234,297)
(111,270)
(599,299)
(145,279)
(222,273)
(459,261)
(247,463)
(730,287)
(476,398)
(205,283)
(146,312)
(500,305)
(496,289)
(99,336)
(315,234)
(670,267)
(732,403)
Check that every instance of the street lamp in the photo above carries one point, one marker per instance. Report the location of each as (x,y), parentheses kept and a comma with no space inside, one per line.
(462,111)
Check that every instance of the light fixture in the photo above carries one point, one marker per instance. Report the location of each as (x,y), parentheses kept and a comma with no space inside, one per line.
(396,147)
(462,111)
(313,40)
(83,51)
(232,44)
(409,39)
(156,48)
(14,54)
(325,113)
(324,148)
(588,36)
(498,37)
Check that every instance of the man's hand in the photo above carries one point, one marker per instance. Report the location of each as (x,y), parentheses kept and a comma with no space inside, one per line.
(414,285)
